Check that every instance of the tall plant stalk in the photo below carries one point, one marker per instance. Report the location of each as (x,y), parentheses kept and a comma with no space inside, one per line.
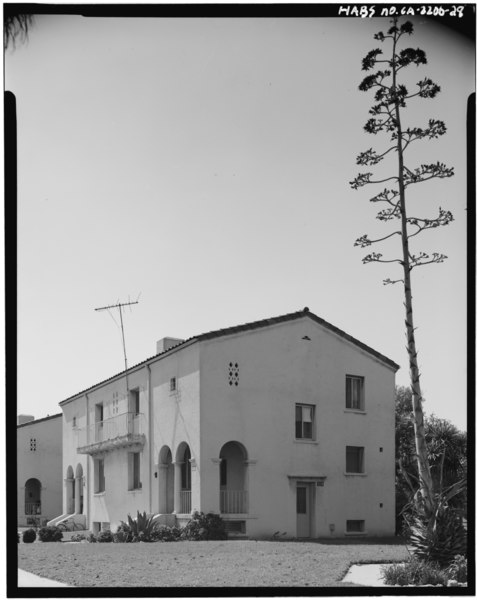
(391,98)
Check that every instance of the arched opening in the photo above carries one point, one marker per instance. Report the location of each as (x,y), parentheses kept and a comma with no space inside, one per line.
(78,495)
(70,490)
(183,471)
(166,481)
(33,497)
(233,479)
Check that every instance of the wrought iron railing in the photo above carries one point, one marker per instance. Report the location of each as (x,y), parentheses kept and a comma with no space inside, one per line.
(185,501)
(233,501)
(33,508)
(126,425)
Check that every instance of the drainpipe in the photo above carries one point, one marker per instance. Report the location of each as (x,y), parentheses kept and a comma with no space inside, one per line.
(151,445)
(88,460)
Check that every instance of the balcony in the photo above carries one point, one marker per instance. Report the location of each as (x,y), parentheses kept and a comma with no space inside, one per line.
(119,431)
(233,502)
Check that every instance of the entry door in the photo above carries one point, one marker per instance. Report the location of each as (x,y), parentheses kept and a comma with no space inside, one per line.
(303,512)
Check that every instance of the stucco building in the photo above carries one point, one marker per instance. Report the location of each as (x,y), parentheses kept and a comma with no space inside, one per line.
(39,469)
(281,425)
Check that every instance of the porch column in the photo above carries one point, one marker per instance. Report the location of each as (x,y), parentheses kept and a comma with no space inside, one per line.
(162,475)
(177,486)
(216,503)
(78,483)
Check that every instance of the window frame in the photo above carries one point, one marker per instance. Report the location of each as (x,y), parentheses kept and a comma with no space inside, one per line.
(360,379)
(302,437)
(361,463)
(99,476)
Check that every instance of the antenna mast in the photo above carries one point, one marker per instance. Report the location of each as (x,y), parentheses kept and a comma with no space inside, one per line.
(119,305)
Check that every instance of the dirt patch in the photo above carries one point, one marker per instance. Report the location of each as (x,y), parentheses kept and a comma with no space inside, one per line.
(201,564)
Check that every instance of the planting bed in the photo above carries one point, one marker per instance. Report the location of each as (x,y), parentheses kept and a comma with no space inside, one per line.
(197,564)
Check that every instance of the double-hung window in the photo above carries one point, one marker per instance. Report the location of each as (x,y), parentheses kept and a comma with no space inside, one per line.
(304,421)
(134,471)
(354,459)
(354,392)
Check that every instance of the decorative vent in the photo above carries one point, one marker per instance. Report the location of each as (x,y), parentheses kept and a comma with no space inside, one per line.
(32,444)
(233,374)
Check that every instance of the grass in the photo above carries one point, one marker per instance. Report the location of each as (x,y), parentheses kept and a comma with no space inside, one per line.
(203,564)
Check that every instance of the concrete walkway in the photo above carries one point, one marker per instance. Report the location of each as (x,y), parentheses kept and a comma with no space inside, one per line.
(26,579)
(369,575)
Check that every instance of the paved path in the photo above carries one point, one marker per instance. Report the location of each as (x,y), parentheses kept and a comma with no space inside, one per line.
(26,579)
(369,575)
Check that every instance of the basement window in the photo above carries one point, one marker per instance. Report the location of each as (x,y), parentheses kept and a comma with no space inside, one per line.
(355,526)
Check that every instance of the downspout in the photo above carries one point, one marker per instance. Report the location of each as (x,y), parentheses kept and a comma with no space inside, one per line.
(88,459)
(150,423)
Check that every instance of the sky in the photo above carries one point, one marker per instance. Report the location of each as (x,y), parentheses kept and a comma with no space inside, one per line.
(202,167)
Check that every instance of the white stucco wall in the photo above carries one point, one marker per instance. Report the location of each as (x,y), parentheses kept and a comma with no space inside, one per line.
(43,464)
(277,369)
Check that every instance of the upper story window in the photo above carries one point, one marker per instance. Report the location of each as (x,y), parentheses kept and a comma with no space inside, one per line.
(74,422)
(354,392)
(173,384)
(304,421)
(115,405)
(32,444)
(134,402)
(354,459)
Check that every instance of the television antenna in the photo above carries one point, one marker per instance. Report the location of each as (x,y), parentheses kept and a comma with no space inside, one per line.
(119,306)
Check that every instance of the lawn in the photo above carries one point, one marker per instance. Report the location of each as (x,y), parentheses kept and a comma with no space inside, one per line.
(196,564)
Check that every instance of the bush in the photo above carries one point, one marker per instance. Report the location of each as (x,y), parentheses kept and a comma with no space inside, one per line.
(163,533)
(457,570)
(91,538)
(414,572)
(204,527)
(50,534)
(104,536)
(140,529)
(122,537)
(78,537)
(29,536)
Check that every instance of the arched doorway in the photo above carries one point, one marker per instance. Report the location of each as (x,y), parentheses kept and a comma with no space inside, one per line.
(70,490)
(183,471)
(33,497)
(233,479)
(166,481)
(78,495)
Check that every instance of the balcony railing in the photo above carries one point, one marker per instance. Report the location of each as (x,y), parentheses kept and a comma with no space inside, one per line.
(33,508)
(233,501)
(119,431)
(185,501)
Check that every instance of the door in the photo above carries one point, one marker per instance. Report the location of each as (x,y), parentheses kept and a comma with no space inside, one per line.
(303,512)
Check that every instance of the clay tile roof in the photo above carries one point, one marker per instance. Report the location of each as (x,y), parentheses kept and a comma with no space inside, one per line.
(250,327)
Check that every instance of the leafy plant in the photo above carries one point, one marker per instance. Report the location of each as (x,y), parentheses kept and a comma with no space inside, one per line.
(77,537)
(91,538)
(140,529)
(50,534)
(414,572)
(457,570)
(439,535)
(104,536)
(29,536)
(204,527)
(163,533)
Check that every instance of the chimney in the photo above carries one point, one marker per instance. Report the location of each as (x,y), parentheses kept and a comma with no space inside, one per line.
(21,419)
(166,344)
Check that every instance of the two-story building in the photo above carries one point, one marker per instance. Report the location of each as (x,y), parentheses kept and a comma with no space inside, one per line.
(39,469)
(281,425)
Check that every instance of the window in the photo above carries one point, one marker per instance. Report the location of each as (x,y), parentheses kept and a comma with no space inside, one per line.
(134,402)
(354,392)
(32,444)
(115,406)
(354,526)
(304,417)
(173,384)
(99,480)
(186,471)
(134,471)
(354,459)
(74,422)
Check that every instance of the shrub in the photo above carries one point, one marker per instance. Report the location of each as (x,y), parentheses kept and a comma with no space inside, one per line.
(78,537)
(91,538)
(163,533)
(104,536)
(457,570)
(204,527)
(140,529)
(29,536)
(50,534)
(414,572)
(121,537)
